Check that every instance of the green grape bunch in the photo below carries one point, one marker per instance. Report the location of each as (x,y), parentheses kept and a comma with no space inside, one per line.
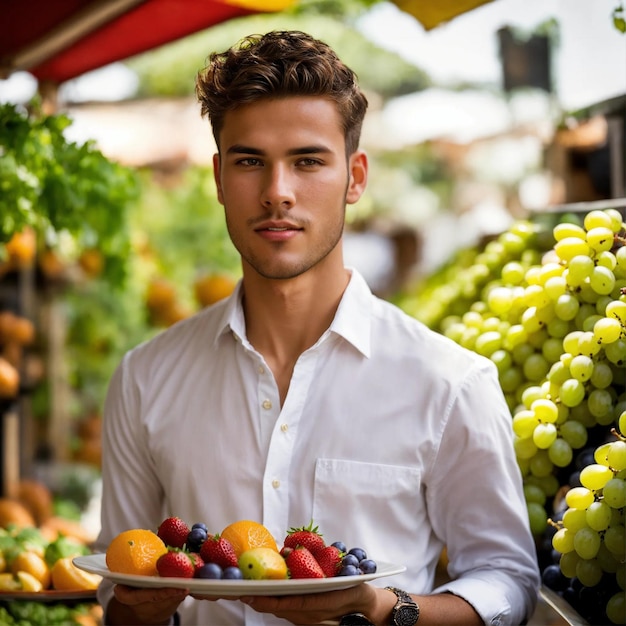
(553,322)
(591,536)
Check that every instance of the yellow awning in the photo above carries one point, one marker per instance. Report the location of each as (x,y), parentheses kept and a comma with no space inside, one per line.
(262,5)
(431,13)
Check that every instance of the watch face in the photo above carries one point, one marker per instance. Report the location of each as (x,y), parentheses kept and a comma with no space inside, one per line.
(406,615)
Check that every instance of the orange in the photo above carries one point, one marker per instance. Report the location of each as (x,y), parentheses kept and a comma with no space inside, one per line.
(9,379)
(92,262)
(246,534)
(135,552)
(22,247)
(212,288)
(67,577)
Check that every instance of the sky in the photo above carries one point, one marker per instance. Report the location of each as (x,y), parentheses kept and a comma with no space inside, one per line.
(589,63)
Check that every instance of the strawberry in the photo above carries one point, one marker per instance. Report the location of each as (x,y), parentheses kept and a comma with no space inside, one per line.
(302,564)
(197,561)
(218,550)
(307,537)
(330,560)
(175,563)
(173,531)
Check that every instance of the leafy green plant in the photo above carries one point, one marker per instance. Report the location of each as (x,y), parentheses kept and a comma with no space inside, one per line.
(60,187)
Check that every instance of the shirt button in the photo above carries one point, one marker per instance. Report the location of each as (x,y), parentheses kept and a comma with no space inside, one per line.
(261,369)
(267,404)
(284,427)
(276,483)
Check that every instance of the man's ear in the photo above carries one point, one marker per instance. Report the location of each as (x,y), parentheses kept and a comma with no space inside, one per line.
(358,168)
(217,177)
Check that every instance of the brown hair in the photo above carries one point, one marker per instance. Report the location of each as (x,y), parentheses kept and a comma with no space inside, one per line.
(280,64)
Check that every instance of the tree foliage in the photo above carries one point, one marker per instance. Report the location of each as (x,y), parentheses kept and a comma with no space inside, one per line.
(171,69)
(57,186)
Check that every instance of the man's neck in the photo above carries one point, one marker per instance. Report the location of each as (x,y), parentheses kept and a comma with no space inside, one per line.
(289,316)
(286,317)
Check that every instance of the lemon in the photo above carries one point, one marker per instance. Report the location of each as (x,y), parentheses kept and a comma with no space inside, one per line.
(8,582)
(67,577)
(262,563)
(29,582)
(34,565)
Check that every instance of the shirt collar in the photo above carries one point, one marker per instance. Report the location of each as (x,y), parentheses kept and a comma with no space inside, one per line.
(352,321)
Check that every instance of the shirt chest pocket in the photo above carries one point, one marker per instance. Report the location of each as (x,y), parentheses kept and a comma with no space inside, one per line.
(365,503)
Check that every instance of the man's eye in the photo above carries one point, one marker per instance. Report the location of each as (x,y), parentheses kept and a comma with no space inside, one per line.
(250,162)
(309,162)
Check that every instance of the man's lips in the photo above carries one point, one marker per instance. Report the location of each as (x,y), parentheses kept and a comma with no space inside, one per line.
(277,226)
(277,231)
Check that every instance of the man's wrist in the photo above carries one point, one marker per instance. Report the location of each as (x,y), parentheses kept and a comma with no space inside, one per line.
(406,611)
(375,611)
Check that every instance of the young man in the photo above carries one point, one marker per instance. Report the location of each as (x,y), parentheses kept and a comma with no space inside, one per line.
(303,396)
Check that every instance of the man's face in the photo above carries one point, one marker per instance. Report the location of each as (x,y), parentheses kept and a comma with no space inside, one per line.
(284,180)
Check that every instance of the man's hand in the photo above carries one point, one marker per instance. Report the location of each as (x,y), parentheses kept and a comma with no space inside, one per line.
(317,608)
(142,607)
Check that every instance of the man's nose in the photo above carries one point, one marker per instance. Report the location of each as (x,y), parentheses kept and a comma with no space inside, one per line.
(278,188)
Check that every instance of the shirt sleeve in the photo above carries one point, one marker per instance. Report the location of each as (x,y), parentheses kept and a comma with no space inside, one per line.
(131,491)
(476,503)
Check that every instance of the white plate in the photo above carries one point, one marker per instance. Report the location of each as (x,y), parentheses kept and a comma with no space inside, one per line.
(96,564)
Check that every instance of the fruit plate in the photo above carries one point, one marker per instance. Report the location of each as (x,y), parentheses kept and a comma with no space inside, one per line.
(51,595)
(96,564)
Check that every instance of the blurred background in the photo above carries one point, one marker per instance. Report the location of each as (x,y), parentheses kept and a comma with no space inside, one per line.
(481,114)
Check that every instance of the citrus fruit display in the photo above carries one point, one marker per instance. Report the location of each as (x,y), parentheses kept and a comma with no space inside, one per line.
(28,559)
(135,551)
(547,305)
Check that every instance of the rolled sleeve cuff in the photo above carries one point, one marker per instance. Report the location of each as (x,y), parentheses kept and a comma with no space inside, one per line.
(491,600)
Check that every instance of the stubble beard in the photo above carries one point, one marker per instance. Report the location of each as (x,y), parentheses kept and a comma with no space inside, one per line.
(271,268)
(275,268)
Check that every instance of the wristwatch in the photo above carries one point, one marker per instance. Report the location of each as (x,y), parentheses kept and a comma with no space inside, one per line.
(406,612)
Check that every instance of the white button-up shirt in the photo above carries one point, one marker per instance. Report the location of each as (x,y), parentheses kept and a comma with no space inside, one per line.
(391,438)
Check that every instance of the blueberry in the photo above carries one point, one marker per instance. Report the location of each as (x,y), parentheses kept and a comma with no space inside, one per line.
(195,538)
(349,570)
(359,553)
(200,525)
(209,570)
(232,573)
(367,566)
(350,559)
(340,545)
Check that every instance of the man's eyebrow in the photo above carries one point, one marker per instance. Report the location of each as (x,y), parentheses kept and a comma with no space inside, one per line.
(242,149)
(308,150)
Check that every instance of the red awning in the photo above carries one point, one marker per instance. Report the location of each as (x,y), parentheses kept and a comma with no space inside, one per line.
(56,40)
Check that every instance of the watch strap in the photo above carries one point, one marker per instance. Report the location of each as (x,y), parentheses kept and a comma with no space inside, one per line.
(406,611)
